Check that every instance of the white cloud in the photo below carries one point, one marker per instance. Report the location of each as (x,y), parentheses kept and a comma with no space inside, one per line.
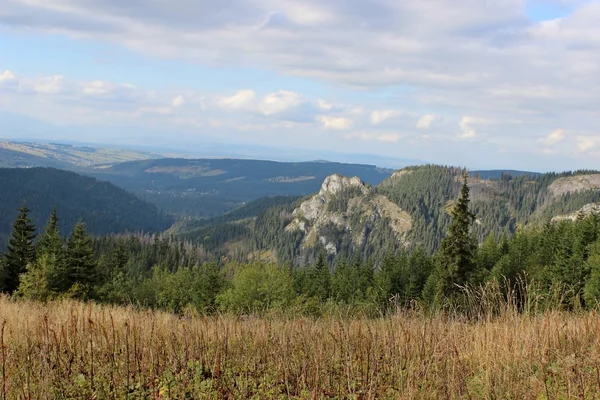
(324,105)
(49,85)
(553,138)
(467,131)
(96,88)
(427,120)
(587,143)
(304,13)
(240,100)
(178,101)
(335,123)
(278,102)
(7,76)
(379,116)
(374,136)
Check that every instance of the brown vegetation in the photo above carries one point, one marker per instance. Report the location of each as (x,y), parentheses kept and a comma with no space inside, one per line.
(75,350)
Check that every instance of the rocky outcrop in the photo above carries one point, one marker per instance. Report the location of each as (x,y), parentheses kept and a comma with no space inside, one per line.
(574,184)
(355,211)
(583,211)
(334,184)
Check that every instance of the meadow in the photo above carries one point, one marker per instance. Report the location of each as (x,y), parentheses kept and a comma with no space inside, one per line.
(73,350)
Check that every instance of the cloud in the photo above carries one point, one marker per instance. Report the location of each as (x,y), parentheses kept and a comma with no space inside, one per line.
(426,120)
(7,76)
(96,88)
(240,100)
(49,85)
(586,143)
(178,101)
(324,105)
(374,136)
(466,127)
(335,123)
(279,102)
(379,116)
(553,138)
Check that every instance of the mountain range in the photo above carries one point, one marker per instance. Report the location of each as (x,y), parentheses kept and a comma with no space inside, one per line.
(409,209)
(284,211)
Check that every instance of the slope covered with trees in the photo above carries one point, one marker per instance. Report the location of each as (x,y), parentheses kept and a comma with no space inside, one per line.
(104,207)
(206,188)
(410,209)
(556,265)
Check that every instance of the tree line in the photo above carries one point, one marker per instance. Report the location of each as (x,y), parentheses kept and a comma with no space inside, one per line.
(559,263)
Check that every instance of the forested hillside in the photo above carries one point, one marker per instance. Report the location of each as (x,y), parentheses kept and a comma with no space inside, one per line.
(555,266)
(408,210)
(206,188)
(104,207)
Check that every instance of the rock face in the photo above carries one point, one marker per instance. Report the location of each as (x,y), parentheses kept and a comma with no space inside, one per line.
(574,184)
(584,211)
(346,206)
(334,184)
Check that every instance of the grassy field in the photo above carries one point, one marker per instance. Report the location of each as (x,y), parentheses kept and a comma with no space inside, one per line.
(71,350)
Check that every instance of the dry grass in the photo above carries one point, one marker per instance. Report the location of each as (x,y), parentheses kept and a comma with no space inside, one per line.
(73,350)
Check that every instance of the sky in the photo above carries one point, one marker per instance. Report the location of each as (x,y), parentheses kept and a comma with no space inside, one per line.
(509,84)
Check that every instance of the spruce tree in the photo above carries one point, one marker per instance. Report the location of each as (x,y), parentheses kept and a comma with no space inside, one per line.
(320,279)
(81,262)
(21,250)
(456,259)
(51,247)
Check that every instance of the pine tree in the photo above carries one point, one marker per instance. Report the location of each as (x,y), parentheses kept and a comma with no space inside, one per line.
(457,255)
(81,262)
(320,279)
(21,250)
(51,247)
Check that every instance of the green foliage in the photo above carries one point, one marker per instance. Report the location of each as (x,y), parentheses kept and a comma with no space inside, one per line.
(456,266)
(560,261)
(258,287)
(21,250)
(104,207)
(82,263)
(34,283)
(352,282)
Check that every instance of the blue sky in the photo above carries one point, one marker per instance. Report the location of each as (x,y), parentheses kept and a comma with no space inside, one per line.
(484,84)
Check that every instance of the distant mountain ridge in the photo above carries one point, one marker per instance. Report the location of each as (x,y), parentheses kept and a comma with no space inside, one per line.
(66,156)
(211,187)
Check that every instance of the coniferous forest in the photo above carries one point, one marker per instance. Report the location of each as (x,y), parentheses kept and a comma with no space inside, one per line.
(559,262)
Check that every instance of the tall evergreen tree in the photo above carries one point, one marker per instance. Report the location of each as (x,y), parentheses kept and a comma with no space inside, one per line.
(51,247)
(81,262)
(456,259)
(320,279)
(21,250)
